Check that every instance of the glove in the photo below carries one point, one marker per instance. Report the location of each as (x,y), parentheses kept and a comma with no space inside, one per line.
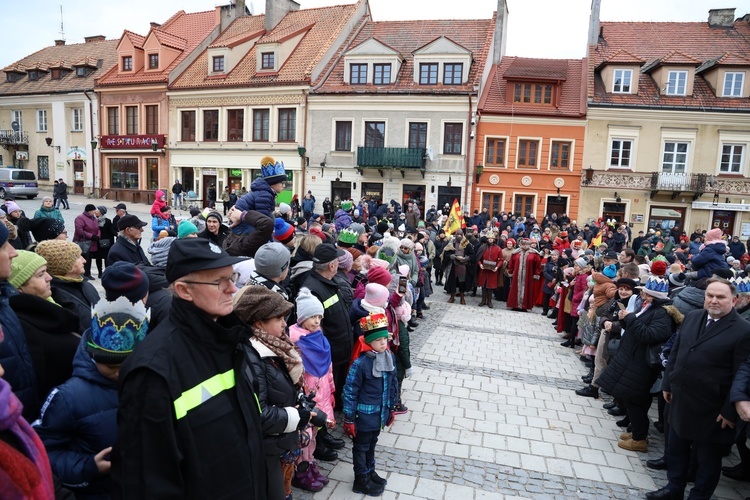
(319,419)
(304,418)
(95,238)
(350,429)
(408,372)
(692,274)
(391,418)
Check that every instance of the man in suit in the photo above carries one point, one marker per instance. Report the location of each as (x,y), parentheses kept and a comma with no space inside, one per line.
(711,346)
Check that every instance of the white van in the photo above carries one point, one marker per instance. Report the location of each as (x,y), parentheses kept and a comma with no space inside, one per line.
(18,182)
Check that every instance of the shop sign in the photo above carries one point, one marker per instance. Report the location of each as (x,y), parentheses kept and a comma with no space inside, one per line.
(76,153)
(707,205)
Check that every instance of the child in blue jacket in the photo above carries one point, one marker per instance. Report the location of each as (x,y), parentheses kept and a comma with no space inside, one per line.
(369,397)
(262,195)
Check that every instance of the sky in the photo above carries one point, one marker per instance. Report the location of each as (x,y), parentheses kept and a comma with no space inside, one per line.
(536,28)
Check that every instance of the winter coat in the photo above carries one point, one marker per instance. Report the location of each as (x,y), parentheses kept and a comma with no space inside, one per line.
(107,231)
(627,376)
(410,260)
(247,244)
(368,400)
(87,227)
(737,249)
(323,387)
(49,213)
(345,287)
(159,250)
(327,209)
(308,205)
(210,448)
(710,258)
(158,223)
(437,262)
(604,289)
(412,217)
(49,331)
(158,204)
(159,296)
(15,356)
(126,251)
(335,325)
(261,198)
(689,299)
(549,273)
(449,267)
(342,220)
(78,420)
(216,238)
(699,374)
(77,297)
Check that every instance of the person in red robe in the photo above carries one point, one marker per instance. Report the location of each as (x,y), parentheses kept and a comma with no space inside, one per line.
(490,261)
(525,268)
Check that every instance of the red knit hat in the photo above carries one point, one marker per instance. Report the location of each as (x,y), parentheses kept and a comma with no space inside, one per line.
(659,267)
(379,275)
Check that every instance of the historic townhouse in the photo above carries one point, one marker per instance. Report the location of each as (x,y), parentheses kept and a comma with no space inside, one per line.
(394,118)
(246,96)
(134,143)
(49,113)
(669,123)
(531,127)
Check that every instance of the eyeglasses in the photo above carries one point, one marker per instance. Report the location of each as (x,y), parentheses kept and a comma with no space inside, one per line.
(222,284)
(405,249)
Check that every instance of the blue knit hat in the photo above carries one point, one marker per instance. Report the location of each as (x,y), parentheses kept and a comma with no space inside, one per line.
(116,329)
(123,279)
(185,229)
(3,234)
(282,231)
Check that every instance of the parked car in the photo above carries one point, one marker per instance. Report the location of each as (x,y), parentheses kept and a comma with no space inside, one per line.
(18,182)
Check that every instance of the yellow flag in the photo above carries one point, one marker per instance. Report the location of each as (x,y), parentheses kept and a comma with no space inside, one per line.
(597,240)
(455,219)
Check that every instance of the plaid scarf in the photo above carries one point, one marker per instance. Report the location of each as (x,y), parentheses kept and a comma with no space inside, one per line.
(284,349)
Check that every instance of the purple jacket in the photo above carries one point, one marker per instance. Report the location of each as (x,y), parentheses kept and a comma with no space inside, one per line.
(86,227)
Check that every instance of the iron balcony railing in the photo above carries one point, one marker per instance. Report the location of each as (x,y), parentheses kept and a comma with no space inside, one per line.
(682,182)
(391,157)
(12,137)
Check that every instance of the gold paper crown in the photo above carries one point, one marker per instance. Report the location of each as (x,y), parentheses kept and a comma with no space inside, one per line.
(375,321)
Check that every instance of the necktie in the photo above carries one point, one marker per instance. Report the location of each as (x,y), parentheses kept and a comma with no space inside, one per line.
(709,324)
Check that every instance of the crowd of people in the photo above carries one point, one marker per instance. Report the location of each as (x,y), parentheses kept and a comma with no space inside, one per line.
(218,361)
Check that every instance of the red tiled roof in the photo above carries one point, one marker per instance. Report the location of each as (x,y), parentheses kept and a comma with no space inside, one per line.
(135,39)
(655,41)
(624,57)
(406,37)
(321,26)
(100,54)
(571,104)
(182,31)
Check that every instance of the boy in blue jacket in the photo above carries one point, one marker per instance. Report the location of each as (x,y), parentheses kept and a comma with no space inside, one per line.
(369,397)
(262,195)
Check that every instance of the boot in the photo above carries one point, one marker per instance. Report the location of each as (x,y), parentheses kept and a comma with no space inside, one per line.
(325,454)
(589,392)
(552,313)
(363,484)
(304,479)
(740,472)
(632,445)
(484,298)
(474,292)
(452,299)
(377,479)
(568,343)
(317,475)
(489,300)
(328,440)
(463,301)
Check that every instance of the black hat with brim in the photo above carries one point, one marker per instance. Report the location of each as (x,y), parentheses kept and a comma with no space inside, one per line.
(326,252)
(189,255)
(130,220)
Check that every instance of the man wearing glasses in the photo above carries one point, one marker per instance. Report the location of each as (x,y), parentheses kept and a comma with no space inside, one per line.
(189,421)
(127,248)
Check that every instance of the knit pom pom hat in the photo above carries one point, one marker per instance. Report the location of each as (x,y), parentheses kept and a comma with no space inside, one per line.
(659,267)
(61,255)
(713,236)
(308,306)
(282,231)
(376,294)
(379,275)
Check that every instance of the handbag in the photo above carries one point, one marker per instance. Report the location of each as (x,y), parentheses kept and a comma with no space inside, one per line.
(653,356)
(84,245)
(489,265)
(612,347)
(105,243)
(590,334)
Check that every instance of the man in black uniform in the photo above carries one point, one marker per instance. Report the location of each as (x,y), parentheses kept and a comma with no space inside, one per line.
(189,421)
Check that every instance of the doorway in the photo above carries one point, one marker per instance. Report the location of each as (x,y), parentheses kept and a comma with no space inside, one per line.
(373,191)
(448,195)
(209,182)
(340,191)
(557,204)
(614,211)
(416,194)
(78,176)
(724,220)
(188,179)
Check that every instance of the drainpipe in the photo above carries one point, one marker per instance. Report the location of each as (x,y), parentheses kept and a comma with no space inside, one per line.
(468,157)
(94,188)
(303,159)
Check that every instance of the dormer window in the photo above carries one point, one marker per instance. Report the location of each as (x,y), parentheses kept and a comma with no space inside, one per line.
(83,71)
(733,84)
(621,81)
(532,93)
(35,74)
(676,83)
(153,61)
(13,76)
(453,73)
(218,64)
(358,74)
(428,73)
(56,73)
(381,74)
(267,61)
(127,63)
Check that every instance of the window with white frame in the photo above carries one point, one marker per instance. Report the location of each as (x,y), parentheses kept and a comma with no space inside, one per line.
(41,120)
(620,153)
(674,159)
(17,116)
(733,84)
(677,83)
(622,81)
(732,156)
(77,120)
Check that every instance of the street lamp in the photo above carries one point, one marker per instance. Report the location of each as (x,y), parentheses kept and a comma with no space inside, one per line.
(478,172)
(589,175)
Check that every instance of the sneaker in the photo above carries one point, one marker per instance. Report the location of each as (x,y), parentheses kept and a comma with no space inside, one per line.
(400,409)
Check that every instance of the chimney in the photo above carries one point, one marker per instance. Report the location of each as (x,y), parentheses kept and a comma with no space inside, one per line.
(154,24)
(59,42)
(225,14)
(594,31)
(721,18)
(95,38)
(276,10)
(501,32)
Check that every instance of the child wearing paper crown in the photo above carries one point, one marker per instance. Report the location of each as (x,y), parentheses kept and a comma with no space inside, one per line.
(318,379)
(262,195)
(369,397)
(78,423)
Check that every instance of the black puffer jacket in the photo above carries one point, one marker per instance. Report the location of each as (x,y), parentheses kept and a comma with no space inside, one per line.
(336,324)
(76,296)
(689,299)
(159,295)
(627,375)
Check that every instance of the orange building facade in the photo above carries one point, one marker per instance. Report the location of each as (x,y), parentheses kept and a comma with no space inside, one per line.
(531,124)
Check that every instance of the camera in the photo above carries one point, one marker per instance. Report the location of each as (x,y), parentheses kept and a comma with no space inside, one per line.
(306,401)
